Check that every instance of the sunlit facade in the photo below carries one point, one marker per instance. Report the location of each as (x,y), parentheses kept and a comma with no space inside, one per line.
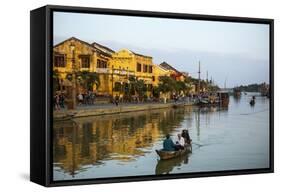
(113,68)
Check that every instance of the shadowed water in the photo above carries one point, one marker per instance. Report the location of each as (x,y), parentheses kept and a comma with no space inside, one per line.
(232,138)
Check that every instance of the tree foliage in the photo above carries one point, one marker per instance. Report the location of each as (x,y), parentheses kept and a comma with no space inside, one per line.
(86,79)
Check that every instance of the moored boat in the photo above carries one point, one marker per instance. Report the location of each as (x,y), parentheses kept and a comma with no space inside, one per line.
(223,98)
(236,92)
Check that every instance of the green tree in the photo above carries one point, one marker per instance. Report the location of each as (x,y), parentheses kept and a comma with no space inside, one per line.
(140,88)
(181,86)
(132,85)
(167,84)
(88,79)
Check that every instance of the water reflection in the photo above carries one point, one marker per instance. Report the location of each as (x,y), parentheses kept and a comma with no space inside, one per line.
(124,144)
(167,166)
(123,137)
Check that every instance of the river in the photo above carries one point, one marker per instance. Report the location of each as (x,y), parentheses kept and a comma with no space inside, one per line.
(117,145)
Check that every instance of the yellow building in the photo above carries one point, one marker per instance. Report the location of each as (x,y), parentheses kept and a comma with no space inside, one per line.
(174,73)
(127,63)
(75,54)
(113,68)
(158,72)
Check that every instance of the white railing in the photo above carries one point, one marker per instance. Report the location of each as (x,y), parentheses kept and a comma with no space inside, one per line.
(102,70)
(115,71)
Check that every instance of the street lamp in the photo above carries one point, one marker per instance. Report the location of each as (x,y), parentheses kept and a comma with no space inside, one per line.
(72,103)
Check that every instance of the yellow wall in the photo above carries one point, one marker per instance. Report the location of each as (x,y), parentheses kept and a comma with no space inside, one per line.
(126,62)
(158,72)
(82,48)
(120,65)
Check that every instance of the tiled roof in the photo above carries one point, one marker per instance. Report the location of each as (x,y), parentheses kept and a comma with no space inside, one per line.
(168,67)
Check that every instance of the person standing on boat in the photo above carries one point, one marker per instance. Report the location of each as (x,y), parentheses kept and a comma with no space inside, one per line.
(168,144)
(179,142)
(185,135)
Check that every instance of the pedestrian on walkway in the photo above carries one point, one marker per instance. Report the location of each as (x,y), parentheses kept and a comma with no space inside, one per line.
(56,101)
(61,100)
(80,98)
(116,100)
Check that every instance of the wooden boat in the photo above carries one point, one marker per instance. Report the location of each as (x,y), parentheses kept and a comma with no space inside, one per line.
(172,154)
(223,98)
(236,92)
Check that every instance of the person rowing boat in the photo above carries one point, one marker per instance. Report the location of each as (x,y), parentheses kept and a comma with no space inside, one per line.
(168,144)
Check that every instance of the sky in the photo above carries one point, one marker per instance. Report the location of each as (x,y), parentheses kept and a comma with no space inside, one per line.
(232,53)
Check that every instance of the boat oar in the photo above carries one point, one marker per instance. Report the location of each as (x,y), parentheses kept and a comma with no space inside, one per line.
(198,144)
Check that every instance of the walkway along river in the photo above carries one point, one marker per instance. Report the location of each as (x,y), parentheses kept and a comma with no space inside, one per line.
(124,144)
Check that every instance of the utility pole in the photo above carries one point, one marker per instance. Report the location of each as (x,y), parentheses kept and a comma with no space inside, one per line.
(207,77)
(199,78)
(112,82)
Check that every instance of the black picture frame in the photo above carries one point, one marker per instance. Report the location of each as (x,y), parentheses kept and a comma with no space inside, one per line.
(41,41)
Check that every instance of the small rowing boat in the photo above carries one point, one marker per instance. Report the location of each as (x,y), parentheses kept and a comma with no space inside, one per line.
(172,154)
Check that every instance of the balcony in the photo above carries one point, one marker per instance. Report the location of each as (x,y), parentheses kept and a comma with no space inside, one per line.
(102,70)
(115,71)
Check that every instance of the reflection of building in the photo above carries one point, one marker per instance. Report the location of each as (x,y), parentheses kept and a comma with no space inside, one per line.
(89,141)
(113,68)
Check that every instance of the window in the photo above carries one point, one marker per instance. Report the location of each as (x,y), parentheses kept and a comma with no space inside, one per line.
(59,61)
(145,68)
(150,69)
(153,78)
(85,61)
(101,63)
(138,67)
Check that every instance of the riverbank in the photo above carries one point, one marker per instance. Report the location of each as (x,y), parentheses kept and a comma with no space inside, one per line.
(112,109)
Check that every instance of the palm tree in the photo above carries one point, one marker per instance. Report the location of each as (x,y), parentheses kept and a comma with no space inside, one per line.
(93,80)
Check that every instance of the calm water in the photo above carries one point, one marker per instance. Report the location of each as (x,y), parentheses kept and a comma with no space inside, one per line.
(124,144)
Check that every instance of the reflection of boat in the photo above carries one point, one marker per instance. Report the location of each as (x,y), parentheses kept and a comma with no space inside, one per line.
(206,103)
(166,166)
(172,154)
